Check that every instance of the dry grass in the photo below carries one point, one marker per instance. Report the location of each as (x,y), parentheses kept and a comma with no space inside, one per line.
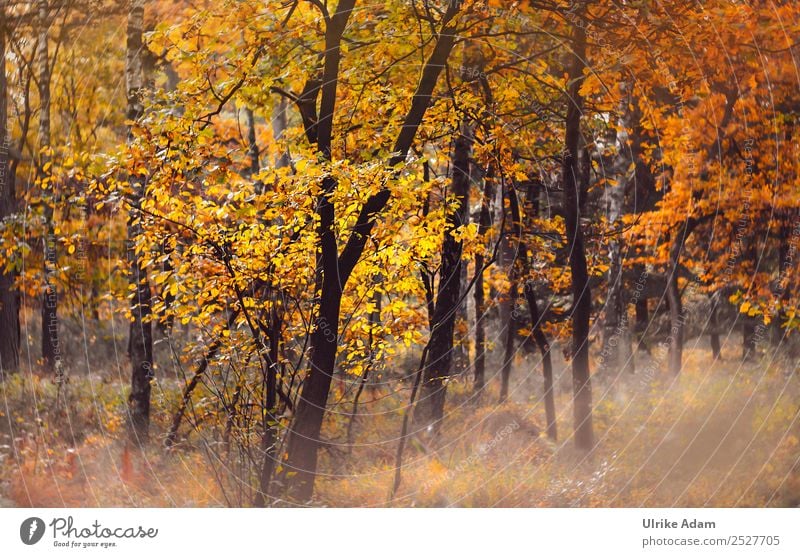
(721,434)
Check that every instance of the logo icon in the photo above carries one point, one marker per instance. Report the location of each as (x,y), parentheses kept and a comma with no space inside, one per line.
(31,530)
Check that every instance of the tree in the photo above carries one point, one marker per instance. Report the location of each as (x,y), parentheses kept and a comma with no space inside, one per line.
(303,441)
(9,300)
(448,296)
(51,351)
(573,190)
(140,340)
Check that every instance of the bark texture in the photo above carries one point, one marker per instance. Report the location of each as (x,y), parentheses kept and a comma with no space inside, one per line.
(140,339)
(9,298)
(581,292)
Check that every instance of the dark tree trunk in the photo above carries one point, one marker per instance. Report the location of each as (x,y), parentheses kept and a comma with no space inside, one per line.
(547,363)
(581,292)
(713,322)
(252,145)
(270,410)
(511,333)
(9,298)
(484,222)
(676,314)
(304,436)
(512,247)
(460,336)
(440,353)
(166,319)
(140,342)
(303,443)
(674,302)
(642,322)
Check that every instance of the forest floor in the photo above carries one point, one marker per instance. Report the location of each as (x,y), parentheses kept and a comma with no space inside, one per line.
(721,434)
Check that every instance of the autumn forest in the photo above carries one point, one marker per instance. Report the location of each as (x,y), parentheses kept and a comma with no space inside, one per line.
(411,253)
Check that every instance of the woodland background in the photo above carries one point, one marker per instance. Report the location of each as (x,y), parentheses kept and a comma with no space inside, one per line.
(407,253)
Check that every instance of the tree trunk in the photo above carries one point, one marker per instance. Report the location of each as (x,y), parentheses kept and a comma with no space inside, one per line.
(460,335)
(615,326)
(674,302)
(713,322)
(484,222)
(9,298)
(140,340)
(304,436)
(511,333)
(252,145)
(440,354)
(642,321)
(280,121)
(51,351)
(547,363)
(581,293)
(270,411)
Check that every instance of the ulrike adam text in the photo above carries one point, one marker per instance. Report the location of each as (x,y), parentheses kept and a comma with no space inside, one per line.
(685,523)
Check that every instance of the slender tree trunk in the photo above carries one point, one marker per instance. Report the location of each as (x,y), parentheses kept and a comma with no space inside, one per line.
(642,321)
(280,121)
(581,292)
(440,354)
(525,225)
(270,411)
(511,333)
(140,340)
(51,351)
(713,322)
(252,144)
(674,302)
(547,363)
(484,222)
(511,244)
(676,315)
(9,298)
(460,336)
(615,325)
